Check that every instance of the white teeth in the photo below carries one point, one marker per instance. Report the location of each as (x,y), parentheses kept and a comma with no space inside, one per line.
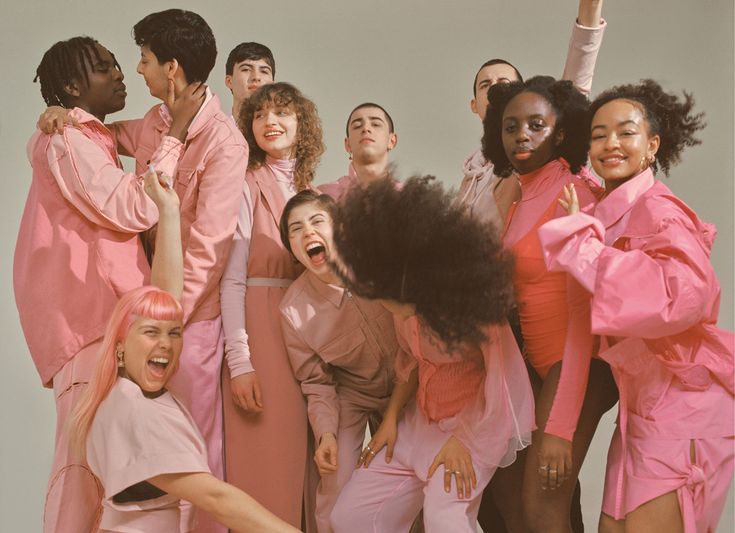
(272,133)
(312,245)
(162,360)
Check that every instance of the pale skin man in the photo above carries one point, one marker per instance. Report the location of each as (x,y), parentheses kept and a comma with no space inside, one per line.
(369,139)
(249,66)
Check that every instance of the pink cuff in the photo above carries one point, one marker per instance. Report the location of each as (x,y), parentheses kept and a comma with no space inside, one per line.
(166,157)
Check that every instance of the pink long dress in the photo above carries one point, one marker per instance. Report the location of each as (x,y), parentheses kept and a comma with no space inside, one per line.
(266,453)
(645,261)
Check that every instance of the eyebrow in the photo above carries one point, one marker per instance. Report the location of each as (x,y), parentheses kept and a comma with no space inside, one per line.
(623,123)
(361,119)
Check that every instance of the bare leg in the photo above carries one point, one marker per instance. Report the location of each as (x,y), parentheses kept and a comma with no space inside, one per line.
(548,511)
(609,525)
(660,514)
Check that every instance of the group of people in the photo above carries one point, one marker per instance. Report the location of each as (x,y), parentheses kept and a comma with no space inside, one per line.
(220,333)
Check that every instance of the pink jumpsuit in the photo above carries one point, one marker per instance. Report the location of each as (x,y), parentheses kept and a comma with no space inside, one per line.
(265,454)
(490,197)
(77,252)
(481,396)
(132,439)
(645,260)
(342,349)
(209,183)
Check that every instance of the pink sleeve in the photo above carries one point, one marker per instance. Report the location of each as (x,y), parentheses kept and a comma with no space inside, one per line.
(126,134)
(404,363)
(96,186)
(582,55)
(232,292)
(317,381)
(661,286)
(210,235)
(572,386)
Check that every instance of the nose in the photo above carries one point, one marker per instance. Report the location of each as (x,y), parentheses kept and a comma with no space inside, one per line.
(139,68)
(255,76)
(522,135)
(612,141)
(119,74)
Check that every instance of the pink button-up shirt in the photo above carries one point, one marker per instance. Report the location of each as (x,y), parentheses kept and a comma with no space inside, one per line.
(490,197)
(339,188)
(78,249)
(645,260)
(336,340)
(209,183)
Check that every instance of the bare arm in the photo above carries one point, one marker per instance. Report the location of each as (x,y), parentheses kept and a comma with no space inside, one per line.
(228,504)
(590,13)
(167,270)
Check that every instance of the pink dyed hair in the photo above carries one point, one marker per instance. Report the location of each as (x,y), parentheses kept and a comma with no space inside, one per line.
(149,302)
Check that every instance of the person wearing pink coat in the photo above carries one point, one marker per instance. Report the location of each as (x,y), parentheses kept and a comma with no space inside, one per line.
(643,256)
(486,195)
(78,249)
(370,136)
(266,427)
(462,405)
(342,348)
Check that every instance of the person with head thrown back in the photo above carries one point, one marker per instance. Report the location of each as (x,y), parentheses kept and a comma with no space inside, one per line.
(369,137)
(178,52)
(643,258)
(78,249)
(486,194)
(537,129)
(462,405)
(265,412)
(248,66)
(342,347)
(139,439)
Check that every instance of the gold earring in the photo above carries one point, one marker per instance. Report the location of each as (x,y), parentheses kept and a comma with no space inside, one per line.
(350,155)
(120,363)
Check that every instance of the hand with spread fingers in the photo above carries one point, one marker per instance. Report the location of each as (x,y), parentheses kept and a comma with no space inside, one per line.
(184,107)
(385,436)
(555,461)
(569,200)
(52,120)
(457,463)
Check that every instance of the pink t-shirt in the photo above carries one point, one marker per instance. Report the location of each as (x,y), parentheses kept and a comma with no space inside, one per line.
(134,438)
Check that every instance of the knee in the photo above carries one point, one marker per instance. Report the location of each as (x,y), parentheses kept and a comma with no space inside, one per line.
(541,515)
(342,516)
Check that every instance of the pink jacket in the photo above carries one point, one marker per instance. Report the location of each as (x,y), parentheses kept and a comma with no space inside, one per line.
(336,340)
(209,183)
(645,260)
(480,183)
(78,249)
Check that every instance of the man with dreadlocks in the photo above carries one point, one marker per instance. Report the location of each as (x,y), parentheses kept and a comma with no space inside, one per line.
(78,249)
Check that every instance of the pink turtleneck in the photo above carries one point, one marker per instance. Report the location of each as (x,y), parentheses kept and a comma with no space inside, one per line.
(233,288)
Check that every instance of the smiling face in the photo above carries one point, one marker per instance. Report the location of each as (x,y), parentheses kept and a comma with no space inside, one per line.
(486,78)
(310,238)
(528,131)
(156,75)
(105,92)
(151,352)
(247,76)
(275,130)
(621,146)
(369,138)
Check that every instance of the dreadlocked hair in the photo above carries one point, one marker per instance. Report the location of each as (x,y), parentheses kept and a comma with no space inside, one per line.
(415,245)
(63,63)
(669,116)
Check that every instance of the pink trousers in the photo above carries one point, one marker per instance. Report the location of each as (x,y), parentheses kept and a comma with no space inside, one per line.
(387,497)
(73,498)
(354,411)
(197,385)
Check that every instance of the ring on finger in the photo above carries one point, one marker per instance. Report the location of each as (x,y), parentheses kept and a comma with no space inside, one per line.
(552,470)
(544,468)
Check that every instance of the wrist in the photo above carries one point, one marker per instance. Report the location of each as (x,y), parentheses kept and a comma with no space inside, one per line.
(327,436)
(178,131)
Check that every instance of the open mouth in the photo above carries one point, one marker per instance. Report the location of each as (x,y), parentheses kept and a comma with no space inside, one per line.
(316,252)
(157,366)
(272,134)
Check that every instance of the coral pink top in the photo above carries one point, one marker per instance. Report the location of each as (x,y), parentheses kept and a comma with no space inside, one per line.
(78,249)
(488,196)
(479,394)
(549,306)
(336,341)
(132,439)
(209,183)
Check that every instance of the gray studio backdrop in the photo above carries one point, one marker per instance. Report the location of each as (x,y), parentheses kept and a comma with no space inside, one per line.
(415,58)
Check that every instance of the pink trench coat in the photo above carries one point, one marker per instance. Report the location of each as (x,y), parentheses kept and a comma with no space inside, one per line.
(645,260)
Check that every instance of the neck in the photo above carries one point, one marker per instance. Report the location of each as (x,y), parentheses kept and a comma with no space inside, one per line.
(611,185)
(330,278)
(370,171)
(99,116)
(236,106)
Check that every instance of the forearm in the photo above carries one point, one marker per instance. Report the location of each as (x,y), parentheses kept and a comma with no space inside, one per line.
(590,13)
(167,270)
(402,393)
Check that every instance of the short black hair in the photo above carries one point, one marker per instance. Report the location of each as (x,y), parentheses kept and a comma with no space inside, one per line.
(570,107)
(416,245)
(307,196)
(64,62)
(181,35)
(252,51)
(391,127)
(669,116)
(490,62)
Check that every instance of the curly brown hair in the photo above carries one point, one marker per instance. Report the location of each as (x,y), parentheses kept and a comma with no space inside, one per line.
(309,145)
(415,245)
(669,116)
